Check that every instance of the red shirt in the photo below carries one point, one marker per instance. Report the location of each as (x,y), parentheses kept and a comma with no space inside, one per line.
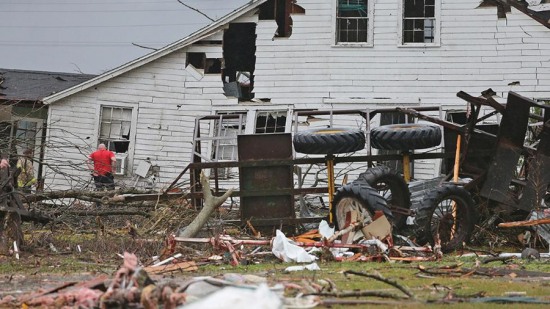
(102,161)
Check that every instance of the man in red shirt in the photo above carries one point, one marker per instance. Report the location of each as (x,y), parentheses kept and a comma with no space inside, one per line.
(104,163)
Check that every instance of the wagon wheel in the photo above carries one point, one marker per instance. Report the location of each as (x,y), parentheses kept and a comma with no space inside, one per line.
(393,188)
(329,141)
(448,212)
(405,136)
(360,198)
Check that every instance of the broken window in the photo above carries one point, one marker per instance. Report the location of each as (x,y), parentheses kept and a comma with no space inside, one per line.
(115,128)
(114,132)
(270,122)
(225,127)
(352,21)
(225,143)
(419,21)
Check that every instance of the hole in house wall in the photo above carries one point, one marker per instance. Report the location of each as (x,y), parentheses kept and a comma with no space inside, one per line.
(196,59)
(212,66)
(280,10)
(209,65)
(502,8)
(239,54)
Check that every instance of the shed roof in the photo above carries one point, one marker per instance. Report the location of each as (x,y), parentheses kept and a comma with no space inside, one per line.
(17,85)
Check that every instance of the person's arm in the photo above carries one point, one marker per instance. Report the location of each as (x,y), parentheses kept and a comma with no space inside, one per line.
(29,173)
(4,163)
(113,164)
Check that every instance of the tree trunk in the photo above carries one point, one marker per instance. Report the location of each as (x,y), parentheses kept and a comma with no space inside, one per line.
(10,219)
(211,202)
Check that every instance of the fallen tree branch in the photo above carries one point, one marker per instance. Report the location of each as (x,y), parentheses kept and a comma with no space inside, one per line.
(78,194)
(525,223)
(345,294)
(503,259)
(385,280)
(103,213)
(211,202)
(332,302)
(481,271)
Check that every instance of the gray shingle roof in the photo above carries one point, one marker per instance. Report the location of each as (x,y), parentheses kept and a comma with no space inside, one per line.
(35,85)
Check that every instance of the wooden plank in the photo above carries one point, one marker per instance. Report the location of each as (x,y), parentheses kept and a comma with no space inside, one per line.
(181,266)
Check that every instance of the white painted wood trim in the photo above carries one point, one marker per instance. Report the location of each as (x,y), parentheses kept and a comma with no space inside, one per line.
(437,34)
(133,130)
(194,72)
(413,101)
(370,34)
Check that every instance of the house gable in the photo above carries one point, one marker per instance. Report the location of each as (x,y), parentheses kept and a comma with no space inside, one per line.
(197,36)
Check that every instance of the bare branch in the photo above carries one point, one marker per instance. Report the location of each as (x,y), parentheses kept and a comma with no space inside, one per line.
(146,47)
(196,10)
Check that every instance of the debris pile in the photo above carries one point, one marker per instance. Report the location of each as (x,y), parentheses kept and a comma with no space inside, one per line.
(135,286)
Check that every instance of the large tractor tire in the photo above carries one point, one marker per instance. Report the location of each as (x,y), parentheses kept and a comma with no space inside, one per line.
(393,188)
(329,141)
(357,196)
(448,212)
(405,136)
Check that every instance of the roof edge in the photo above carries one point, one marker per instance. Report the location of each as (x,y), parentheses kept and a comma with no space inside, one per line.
(196,36)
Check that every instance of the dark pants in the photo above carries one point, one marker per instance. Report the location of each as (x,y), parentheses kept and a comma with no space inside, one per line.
(106,181)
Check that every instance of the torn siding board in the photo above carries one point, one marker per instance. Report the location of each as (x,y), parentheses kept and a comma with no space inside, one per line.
(203,48)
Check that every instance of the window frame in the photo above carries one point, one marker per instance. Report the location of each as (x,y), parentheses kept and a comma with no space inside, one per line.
(129,154)
(436,31)
(250,118)
(220,141)
(370,27)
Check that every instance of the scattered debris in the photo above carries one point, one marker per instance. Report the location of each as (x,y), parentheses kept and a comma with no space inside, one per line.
(458,271)
(287,251)
(530,254)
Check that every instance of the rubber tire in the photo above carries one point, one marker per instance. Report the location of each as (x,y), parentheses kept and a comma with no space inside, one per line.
(465,221)
(406,136)
(399,196)
(368,198)
(329,141)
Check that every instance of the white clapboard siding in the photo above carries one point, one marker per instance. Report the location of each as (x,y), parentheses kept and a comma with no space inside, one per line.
(306,70)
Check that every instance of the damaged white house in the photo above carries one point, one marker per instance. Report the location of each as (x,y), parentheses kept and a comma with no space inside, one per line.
(272,57)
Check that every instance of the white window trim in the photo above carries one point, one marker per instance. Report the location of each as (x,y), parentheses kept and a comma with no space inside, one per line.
(133,130)
(252,113)
(437,30)
(250,126)
(370,32)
